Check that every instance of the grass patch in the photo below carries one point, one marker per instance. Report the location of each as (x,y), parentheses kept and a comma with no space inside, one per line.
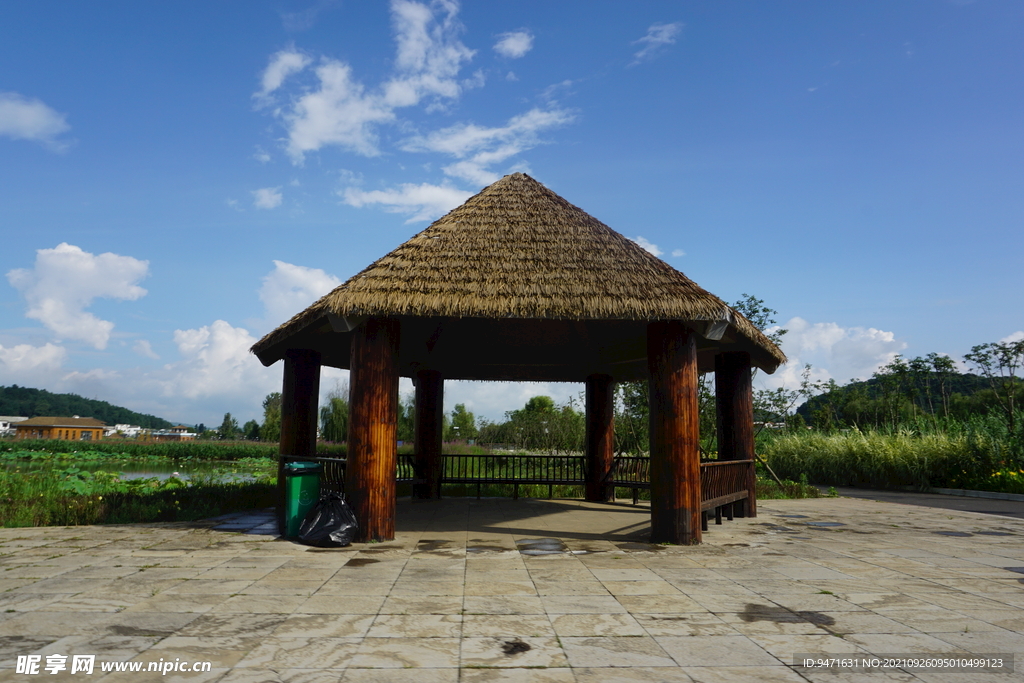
(70,496)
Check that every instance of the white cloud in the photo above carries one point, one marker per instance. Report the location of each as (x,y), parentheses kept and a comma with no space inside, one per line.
(66,280)
(834,352)
(678,252)
(1015,337)
(423,202)
(145,349)
(282,65)
(24,118)
(26,361)
(341,111)
(492,400)
(429,54)
(338,113)
(217,363)
(479,147)
(658,35)
(267,197)
(514,44)
(646,245)
(261,155)
(288,289)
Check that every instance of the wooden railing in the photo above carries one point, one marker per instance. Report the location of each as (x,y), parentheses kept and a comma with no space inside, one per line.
(724,483)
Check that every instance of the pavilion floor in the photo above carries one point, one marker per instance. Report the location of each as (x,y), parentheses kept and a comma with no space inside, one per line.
(528,590)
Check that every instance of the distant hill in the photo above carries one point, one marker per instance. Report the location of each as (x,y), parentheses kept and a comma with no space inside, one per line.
(26,402)
(963,384)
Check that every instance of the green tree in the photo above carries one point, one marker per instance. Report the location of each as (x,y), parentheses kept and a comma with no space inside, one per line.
(228,428)
(464,423)
(270,430)
(632,410)
(406,429)
(999,363)
(251,430)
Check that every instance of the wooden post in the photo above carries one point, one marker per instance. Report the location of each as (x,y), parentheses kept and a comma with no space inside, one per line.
(675,433)
(300,393)
(372,431)
(429,424)
(734,401)
(600,438)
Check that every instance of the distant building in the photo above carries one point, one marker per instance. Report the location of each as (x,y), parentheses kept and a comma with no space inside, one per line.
(125,431)
(7,424)
(179,433)
(71,428)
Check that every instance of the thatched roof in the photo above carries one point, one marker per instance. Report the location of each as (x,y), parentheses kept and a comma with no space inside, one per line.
(517,250)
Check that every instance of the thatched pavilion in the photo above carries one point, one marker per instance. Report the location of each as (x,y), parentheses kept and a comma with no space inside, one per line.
(519,284)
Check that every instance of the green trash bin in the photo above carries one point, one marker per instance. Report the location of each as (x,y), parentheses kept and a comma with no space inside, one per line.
(302,489)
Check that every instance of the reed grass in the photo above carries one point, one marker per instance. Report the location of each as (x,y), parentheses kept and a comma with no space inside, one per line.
(900,458)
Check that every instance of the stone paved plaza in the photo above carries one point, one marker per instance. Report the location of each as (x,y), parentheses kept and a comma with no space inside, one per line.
(537,591)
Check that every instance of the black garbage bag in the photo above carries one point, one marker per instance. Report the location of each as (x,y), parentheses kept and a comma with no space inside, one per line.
(330,523)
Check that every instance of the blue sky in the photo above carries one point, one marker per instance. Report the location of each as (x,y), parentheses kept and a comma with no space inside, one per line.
(176,179)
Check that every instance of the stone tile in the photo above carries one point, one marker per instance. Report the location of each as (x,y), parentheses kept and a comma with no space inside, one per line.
(281,587)
(636,674)
(658,604)
(508,625)
(259,604)
(606,574)
(259,675)
(13,645)
(359,588)
(939,621)
(785,646)
(209,587)
(883,643)
(582,587)
(341,604)
(988,641)
(223,652)
(641,588)
(417,675)
(581,604)
(421,588)
(501,588)
(516,652)
(303,652)
(503,604)
(616,652)
(178,603)
(233,625)
(399,653)
(775,622)
(684,624)
(54,624)
(743,674)
(591,625)
(518,676)
(435,604)
(325,625)
(714,651)
(416,626)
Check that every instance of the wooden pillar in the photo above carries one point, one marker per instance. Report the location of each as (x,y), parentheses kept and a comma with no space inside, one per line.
(600,437)
(300,393)
(429,429)
(372,431)
(734,401)
(675,433)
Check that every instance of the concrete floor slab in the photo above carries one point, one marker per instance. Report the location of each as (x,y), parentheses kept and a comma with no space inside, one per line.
(528,590)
